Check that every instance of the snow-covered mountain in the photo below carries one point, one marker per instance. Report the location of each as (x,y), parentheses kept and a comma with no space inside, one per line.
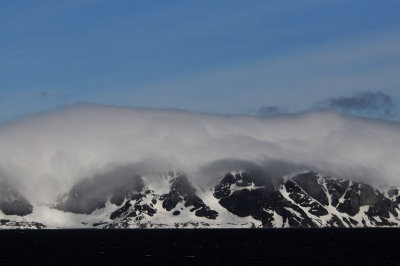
(241,199)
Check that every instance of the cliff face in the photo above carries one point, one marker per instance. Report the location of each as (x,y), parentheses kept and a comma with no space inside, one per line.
(309,200)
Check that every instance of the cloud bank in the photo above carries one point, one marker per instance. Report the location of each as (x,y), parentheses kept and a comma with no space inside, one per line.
(46,154)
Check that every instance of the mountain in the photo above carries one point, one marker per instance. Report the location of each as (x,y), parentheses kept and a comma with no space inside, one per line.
(240,199)
(12,202)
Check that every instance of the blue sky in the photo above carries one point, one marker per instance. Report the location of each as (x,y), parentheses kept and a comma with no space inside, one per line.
(229,57)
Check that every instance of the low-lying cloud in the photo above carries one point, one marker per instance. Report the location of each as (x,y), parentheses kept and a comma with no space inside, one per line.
(47,154)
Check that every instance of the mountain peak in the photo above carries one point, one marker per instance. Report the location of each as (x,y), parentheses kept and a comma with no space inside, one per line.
(12,202)
(246,198)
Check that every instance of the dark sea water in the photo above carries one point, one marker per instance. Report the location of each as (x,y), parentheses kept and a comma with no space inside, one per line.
(201,247)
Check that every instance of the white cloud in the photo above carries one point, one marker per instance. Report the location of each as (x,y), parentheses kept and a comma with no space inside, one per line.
(45,155)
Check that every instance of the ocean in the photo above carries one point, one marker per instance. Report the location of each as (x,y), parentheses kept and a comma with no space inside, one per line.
(201,247)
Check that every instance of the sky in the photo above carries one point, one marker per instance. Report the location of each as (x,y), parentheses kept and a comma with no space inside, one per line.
(223,57)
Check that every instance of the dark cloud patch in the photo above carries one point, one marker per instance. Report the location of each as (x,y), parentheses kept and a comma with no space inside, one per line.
(46,95)
(366,102)
(42,94)
(270,110)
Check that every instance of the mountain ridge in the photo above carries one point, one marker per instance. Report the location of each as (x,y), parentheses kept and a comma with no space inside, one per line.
(238,199)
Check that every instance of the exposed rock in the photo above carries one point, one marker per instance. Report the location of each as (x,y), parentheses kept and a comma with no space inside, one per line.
(243,199)
(303,199)
(136,207)
(309,183)
(260,202)
(7,224)
(12,202)
(182,191)
(336,189)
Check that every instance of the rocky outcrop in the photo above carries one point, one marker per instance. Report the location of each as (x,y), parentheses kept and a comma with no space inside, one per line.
(12,202)
(243,194)
(183,192)
(8,224)
(308,200)
(241,199)
(142,205)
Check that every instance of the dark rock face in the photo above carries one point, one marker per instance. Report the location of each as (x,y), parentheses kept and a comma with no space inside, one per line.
(141,205)
(348,197)
(351,203)
(309,183)
(302,198)
(394,195)
(258,202)
(393,192)
(358,195)
(336,188)
(121,211)
(244,179)
(182,191)
(13,203)
(135,207)
(305,200)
